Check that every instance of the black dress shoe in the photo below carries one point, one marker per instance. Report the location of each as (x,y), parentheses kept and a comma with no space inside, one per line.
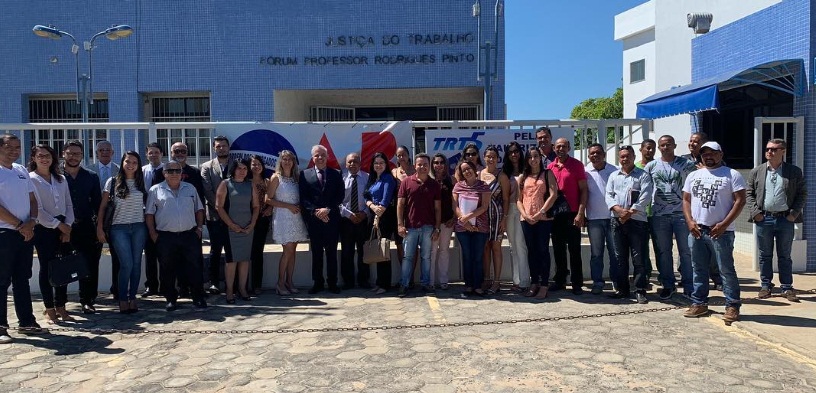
(171,306)
(347,287)
(334,289)
(577,290)
(619,295)
(315,289)
(88,309)
(554,287)
(148,293)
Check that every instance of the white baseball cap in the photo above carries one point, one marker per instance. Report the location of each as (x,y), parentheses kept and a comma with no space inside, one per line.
(711,145)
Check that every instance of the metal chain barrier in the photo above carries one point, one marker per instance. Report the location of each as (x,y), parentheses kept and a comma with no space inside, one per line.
(105,331)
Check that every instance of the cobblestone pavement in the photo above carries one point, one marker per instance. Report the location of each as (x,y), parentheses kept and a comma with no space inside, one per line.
(644,351)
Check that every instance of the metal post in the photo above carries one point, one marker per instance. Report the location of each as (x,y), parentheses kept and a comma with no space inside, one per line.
(487,82)
(85,140)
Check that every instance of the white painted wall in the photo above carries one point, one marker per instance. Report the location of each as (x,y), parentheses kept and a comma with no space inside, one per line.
(658,32)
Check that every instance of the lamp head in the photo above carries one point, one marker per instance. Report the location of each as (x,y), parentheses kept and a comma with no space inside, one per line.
(477,8)
(118,31)
(47,32)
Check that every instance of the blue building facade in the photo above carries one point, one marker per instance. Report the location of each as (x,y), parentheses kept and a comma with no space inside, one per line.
(783,34)
(245,56)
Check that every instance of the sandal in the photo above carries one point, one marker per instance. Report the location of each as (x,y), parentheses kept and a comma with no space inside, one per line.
(51,316)
(495,288)
(63,314)
(532,291)
(542,293)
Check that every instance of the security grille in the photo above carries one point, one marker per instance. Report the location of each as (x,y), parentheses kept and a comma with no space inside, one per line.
(64,110)
(183,109)
(325,113)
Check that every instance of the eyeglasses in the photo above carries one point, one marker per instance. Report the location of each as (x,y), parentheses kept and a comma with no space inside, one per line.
(171,171)
(472,154)
(773,149)
(179,151)
(773,178)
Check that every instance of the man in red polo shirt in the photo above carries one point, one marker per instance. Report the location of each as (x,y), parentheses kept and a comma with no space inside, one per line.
(419,215)
(566,230)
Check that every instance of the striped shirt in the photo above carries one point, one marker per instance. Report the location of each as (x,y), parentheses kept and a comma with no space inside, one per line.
(129,210)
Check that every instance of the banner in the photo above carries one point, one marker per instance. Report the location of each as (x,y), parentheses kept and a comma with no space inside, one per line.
(268,139)
(452,142)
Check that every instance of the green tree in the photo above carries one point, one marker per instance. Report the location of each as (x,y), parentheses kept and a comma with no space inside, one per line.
(599,108)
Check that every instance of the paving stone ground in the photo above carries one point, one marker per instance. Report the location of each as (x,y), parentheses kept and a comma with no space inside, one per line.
(643,352)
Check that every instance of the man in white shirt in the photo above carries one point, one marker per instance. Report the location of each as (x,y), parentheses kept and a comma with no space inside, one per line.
(599,219)
(713,197)
(106,169)
(18,212)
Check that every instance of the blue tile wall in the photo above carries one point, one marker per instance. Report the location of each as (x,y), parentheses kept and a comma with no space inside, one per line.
(786,30)
(216,47)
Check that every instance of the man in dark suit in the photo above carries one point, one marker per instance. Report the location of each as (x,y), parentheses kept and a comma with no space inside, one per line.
(321,193)
(212,173)
(354,225)
(776,196)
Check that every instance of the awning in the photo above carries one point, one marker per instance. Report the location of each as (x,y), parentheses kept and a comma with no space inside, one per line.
(703,95)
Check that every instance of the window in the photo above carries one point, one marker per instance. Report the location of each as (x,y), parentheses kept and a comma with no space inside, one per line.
(459,113)
(326,113)
(637,71)
(183,109)
(64,110)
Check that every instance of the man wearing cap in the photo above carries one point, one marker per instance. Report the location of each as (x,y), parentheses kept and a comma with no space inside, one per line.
(174,216)
(776,194)
(713,197)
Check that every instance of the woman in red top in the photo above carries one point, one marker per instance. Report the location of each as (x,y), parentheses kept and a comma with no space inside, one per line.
(537,192)
(471,199)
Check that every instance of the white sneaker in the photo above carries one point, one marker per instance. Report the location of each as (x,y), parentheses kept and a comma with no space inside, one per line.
(4,337)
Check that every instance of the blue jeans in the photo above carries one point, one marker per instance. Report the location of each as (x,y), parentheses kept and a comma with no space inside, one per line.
(417,237)
(706,251)
(664,228)
(537,238)
(600,235)
(780,230)
(129,241)
(473,245)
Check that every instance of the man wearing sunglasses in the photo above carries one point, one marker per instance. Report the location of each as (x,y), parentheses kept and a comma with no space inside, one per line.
(191,175)
(776,194)
(174,216)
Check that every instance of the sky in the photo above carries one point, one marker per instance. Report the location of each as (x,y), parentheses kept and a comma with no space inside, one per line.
(559,53)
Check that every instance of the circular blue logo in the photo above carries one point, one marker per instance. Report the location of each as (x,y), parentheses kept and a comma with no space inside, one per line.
(265,143)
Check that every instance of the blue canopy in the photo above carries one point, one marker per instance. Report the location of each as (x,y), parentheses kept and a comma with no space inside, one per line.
(696,97)
(703,95)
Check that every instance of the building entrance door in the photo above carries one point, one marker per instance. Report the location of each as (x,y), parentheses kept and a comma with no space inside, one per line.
(792,130)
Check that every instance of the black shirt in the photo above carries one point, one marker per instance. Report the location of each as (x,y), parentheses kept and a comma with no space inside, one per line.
(86,195)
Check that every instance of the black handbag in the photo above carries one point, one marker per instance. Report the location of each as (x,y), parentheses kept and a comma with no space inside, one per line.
(68,266)
(110,209)
(560,206)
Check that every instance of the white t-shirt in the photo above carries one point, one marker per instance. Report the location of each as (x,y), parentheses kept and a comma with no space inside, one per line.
(712,194)
(15,187)
(596,188)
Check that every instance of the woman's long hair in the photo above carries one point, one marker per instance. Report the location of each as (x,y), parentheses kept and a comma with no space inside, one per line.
(507,165)
(53,169)
(372,174)
(528,169)
(469,146)
(121,189)
(446,180)
(279,169)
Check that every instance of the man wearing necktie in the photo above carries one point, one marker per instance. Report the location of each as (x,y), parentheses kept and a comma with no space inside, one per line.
(321,193)
(354,224)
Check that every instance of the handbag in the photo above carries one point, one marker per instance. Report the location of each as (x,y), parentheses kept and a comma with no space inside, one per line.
(68,266)
(377,248)
(110,209)
(560,206)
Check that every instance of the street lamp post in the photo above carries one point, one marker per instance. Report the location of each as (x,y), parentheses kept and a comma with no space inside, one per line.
(491,69)
(84,85)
